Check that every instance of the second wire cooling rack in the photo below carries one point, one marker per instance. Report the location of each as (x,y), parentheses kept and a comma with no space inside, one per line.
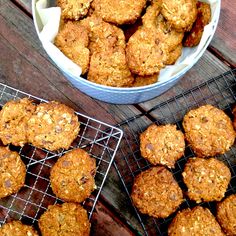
(219,91)
(99,139)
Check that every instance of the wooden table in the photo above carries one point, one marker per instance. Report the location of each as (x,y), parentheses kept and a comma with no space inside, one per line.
(25,65)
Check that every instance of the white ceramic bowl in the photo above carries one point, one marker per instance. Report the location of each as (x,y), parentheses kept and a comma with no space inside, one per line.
(137,94)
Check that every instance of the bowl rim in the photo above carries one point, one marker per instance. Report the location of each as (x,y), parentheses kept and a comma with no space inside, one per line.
(146,87)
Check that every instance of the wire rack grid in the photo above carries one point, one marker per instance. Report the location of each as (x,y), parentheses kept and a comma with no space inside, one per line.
(99,139)
(219,91)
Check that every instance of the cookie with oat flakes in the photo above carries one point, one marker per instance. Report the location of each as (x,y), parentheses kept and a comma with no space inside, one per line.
(74,9)
(13,121)
(118,11)
(12,172)
(53,126)
(206,179)
(72,177)
(68,219)
(208,130)
(155,192)
(16,228)
(181,14)
(226,215)
(198,221)
(174,55)
(162,144)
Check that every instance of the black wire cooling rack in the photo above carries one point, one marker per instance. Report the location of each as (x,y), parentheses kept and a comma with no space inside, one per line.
(99,139)
(219,91)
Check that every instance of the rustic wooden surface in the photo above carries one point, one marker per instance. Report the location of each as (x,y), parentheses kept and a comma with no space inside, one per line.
(25,65)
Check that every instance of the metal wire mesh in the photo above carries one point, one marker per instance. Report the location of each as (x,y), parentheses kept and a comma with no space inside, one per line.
(219,91)
(99,139)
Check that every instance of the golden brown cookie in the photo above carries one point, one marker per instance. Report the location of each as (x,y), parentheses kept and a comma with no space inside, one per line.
(208,130)
(74,9)
(226,215)
(103,36)
(13,121)
(16,228)
(196,222)
(156,193)
(72,177)
(206,179)
(146,52)
(118,11)
(193,37)
(181,14)
(110,69)
(174,55)
(53,126)
(12,172)
(144,80)
(72,39)
(162,144)
(68,219)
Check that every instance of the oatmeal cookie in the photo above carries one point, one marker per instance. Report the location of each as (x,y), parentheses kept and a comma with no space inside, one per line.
(156,193)
(206,179)
(72,177)
(146,52)
(144,80)
(226,215)
(53,126)
(193,37)
(74,9)
(110,69)
(118,11)
(208,130)
(13,121)
(196,222)
(162,144)
(68,219)
(181,14)
(174,55)
(72,39)
(12,172)
(103,36)
(16,228)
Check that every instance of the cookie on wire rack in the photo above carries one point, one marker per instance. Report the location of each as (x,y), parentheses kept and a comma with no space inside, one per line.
(155,192)
(52,126)
(72,177)
(208,130)
(12,172)
(206,179)
(68,219)
(16,228)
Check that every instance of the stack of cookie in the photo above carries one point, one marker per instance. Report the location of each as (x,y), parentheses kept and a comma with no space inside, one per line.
(126,43)
(209,132)
(51,126)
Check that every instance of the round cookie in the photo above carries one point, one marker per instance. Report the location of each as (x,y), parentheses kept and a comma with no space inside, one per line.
(72,177)
(13,121)
(72,39)
(53,126)
(68,219)
(181,14)
(208,130)
(110,68)
(226,215)
(193,37)
(162,144)
(196,222)
(206,179)
(12,172)
(156,193)
(118,11)
(16,228)
(174,55)
(74,9)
